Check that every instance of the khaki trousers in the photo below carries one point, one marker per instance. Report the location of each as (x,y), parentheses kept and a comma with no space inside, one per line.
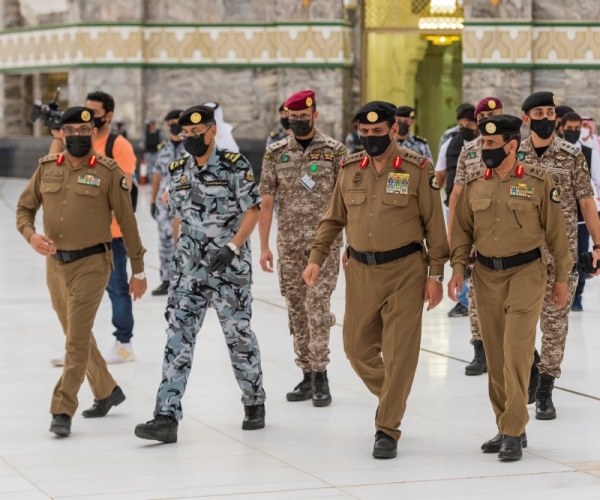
(76,290)
(382,331)
(508,305)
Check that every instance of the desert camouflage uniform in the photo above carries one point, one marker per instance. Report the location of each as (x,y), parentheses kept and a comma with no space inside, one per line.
(276,136)
(210,202)
(300,210)
(468,161)
(168,151)
(417,144)
(568,162)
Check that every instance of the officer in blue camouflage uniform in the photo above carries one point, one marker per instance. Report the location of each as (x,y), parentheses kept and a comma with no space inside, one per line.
(213,195)
(405,118)
(168,151)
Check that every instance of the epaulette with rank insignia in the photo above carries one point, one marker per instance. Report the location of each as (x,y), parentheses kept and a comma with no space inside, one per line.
(51,158)
(161,145)
(346,160)
(413,157)
(475,174)
(569,148)
(420,139)
(177,164)
(107,162)
(277,145)
(230,156)
(534,171)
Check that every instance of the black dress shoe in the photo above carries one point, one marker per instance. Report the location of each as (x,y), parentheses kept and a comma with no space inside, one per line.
(320,389)
(494,444)
(161,428)
(511,448)
(385,446)
(254,417)
(101,407)
(163,289)
(61,425)
(303,390)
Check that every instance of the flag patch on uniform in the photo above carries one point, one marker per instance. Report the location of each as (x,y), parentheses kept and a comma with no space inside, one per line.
(88,180)
(522,191)
(397,183)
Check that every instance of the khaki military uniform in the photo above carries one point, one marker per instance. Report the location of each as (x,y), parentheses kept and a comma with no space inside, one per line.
(78,206)
(469,160)
(304,181)
(568,162)
(503,218)
(383,211)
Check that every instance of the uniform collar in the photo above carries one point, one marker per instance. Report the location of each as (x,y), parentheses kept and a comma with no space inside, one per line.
(84,162)
(317,139)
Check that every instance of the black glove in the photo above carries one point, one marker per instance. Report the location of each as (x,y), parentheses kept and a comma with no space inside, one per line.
(153,210)
(222,260)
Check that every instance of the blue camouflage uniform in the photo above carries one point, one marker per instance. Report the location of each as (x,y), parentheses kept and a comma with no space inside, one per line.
(210,202)
(168,151)
(417,144)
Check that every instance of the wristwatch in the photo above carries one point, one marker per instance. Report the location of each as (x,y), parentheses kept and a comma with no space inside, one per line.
(596,247)
(439,278)
(233,247)
(140,276)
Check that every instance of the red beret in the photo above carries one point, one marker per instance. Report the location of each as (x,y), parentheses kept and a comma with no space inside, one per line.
(300,100)
(488,104)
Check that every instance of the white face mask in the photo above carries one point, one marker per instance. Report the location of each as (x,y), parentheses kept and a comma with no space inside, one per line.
(585,133)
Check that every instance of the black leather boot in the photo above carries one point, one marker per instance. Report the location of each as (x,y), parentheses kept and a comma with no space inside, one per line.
(479,364)
(320,389)
(511,448)
(254,417)
(163,289)
(303,390)
(101,407)
(385,446)
(494,444)
(544,407)
(161,428)
(61,425)
(534,378)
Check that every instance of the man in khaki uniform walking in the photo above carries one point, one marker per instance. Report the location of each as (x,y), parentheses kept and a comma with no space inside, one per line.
(302,169)
(79,192)
(508,212)
(388,200)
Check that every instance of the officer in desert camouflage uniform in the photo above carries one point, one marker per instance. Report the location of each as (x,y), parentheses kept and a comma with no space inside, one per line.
(405,118)
(544,149)
(302,169)
(215,198)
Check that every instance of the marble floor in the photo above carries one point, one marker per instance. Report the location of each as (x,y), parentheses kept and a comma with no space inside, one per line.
(304,452)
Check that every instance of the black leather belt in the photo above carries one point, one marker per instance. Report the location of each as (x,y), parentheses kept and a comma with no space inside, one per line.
(501,264)
(376,258)
(66,257)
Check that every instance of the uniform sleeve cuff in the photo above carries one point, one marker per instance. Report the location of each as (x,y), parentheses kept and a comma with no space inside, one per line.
(561,277)
(316,257)
(436,270)
(27,233)
(458,269)
(137,265)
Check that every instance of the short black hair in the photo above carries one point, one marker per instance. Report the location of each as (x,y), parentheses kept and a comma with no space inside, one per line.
(571,117)
(108,103)
(512,137)
(466,111)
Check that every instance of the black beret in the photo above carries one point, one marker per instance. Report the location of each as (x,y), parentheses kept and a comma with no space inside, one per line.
(196,115)
(77,114)
(543,98)
(282,107)
(562,110)
(500,125)
(405,111)
(376,112)
(174,113)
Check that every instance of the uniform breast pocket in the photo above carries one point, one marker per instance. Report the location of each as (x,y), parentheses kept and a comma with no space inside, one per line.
(355,205)
(521,213)
(393,205)
(482,210)
(216,199)
(84,190)
(49,188)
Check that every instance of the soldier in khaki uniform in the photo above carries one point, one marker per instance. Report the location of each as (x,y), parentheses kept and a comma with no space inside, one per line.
(79,191)
(388,200)
(302,170)
(508,212)
(551,153)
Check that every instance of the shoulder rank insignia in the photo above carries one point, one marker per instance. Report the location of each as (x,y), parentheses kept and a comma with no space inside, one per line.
(555,194)
(474,174)
(61,159)
(342,152)
(232,157)
(92,161)
(397,163)
(488,173)
(346,160)
(522,191)
(174,165)
(519,171)
(419,138)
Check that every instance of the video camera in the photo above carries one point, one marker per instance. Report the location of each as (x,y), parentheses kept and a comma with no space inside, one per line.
(48,113)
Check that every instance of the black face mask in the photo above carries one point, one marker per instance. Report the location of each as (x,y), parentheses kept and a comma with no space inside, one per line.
(175,129)
(543,128)
(195,145)
(375,145)
(403,128)
(571,136)
(301,128)
(285,123)
(99,122)
(468,134)
(79,145)
(492,158)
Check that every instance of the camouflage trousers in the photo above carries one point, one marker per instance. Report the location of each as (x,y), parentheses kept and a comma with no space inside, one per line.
(555,326)
(166,242)
(309,308)
(475,333)
(186,309)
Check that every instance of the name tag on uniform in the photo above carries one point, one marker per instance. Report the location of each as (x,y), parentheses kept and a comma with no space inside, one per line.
(397,183)
(216,183)
(88,180)
(521,191)
(307,182)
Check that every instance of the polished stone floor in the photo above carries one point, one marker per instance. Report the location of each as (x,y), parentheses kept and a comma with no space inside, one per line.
(304,452)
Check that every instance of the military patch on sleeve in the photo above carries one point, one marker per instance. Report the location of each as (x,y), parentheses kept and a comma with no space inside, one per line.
(249,175)
(555,195)
(585,166)
(267,156)
(433,183)
(124,184)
